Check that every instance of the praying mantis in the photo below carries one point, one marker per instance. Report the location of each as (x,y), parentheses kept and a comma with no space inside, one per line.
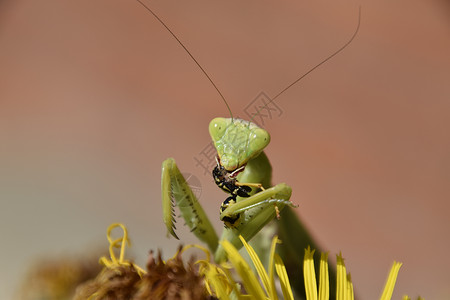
(240,146)
(243,171)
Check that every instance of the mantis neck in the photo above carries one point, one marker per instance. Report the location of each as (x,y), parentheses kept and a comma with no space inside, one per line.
(258,170)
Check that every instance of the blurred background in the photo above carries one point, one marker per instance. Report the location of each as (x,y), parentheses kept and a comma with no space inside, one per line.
(94,95)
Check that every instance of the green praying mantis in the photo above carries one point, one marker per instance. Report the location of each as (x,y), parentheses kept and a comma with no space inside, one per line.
(245,174)
(243,171)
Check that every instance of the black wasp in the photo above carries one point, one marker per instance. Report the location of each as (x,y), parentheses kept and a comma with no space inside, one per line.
(228,182)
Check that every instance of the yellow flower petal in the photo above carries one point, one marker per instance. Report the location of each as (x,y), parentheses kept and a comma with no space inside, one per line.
(350,294)
(217,280)
(344,289)
(118,243)
(249,279)
(390,283)
(260,269)
(324,281)
(284,280)
(309,274)
(275,240)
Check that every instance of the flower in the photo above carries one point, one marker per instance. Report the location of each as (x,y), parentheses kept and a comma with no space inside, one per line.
(122,279)
(203,279)
(119,276)
(252,285)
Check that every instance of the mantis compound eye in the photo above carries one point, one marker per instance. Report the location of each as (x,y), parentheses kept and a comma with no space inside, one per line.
(258,140)
(217,128)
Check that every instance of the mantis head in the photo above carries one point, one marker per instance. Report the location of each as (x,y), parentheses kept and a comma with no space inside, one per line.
(237,141)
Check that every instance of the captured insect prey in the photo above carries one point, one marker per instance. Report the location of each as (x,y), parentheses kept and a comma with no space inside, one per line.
(230,221)
(227,181)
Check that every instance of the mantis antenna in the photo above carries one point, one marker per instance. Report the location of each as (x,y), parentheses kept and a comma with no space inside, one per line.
(317,65)
(193,58)
(323,61)
(283,90)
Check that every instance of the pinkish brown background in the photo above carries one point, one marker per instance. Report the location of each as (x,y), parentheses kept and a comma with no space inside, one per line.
(94,95)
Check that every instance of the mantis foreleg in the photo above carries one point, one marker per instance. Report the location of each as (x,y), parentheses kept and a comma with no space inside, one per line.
(175,190)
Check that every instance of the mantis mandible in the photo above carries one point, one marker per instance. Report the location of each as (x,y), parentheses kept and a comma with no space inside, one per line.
(243,171)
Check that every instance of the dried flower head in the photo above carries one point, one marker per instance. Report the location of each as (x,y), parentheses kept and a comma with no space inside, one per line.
(112,283)
(171,280)
(121,279)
